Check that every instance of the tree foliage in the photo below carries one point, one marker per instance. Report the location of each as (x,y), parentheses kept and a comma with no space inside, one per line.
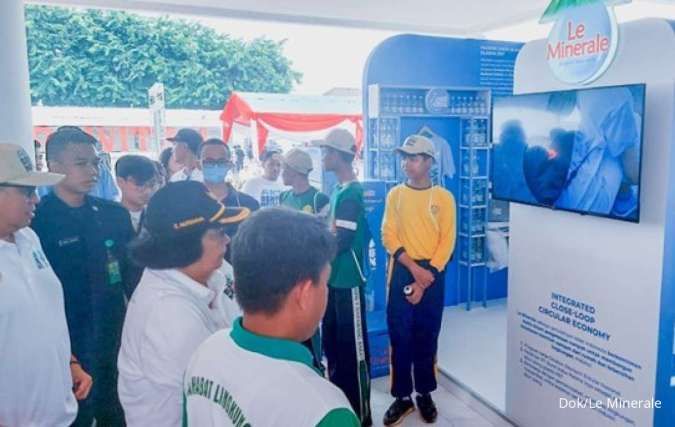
(111,58)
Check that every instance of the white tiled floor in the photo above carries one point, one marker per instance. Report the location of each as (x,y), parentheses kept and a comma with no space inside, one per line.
(452,412)
(476,338)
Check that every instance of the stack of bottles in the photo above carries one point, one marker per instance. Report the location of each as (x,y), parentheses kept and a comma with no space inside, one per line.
(469,104)
(403,102)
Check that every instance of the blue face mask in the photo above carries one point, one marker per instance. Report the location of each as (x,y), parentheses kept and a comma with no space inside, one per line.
(215,174)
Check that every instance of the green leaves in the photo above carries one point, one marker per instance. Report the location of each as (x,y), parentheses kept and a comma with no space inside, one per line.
(111,58)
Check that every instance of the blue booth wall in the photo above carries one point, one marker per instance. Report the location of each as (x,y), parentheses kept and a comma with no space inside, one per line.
(423,61)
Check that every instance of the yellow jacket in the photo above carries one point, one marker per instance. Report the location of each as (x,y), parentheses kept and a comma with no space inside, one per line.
(422,222)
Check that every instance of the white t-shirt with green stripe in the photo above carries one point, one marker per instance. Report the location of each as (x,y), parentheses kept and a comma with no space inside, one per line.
(237,378)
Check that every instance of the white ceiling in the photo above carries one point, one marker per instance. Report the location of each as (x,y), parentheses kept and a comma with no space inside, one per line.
(457,17)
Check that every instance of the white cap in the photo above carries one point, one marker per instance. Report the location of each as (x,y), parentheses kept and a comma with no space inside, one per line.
(299,161)
(417,144)
(16,168)
(339,139)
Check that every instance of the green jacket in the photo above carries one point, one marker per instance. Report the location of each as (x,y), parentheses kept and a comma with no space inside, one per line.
(311,201)
(347,268)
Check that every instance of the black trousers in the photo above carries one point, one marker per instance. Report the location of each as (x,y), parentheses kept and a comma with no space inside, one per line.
(413,331)
(345,341)
(103,403)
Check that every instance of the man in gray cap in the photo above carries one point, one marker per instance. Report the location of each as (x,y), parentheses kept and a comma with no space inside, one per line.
(296,166)
(38,375)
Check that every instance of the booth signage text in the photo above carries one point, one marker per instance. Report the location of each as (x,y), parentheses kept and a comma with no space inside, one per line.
(582,43)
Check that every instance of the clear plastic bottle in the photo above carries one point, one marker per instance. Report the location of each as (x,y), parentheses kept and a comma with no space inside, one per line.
(468,136)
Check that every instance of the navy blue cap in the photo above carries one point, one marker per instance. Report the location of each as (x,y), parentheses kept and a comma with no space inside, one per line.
(190,137)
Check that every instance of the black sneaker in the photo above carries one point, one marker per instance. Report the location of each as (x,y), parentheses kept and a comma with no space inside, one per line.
(397,411)
(427,408)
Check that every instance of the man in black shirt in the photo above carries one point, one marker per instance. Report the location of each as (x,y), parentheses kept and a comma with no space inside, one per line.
(138,179)
(216,161)
(85,239)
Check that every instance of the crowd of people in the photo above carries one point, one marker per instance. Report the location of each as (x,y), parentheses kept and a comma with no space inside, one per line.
(190,302)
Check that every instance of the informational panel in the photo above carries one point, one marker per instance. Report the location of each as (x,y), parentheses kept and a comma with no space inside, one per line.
(589,331)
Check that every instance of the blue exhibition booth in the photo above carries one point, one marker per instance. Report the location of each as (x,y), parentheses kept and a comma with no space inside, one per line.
(399,76)
(587,288)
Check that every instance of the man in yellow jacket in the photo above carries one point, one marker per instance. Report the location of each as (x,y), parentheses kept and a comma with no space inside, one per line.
(419,233)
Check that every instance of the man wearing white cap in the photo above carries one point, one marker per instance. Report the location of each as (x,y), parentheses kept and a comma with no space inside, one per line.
(37,371)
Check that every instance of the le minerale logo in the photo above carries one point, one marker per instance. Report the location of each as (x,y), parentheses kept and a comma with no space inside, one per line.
(583,40)
(577,44)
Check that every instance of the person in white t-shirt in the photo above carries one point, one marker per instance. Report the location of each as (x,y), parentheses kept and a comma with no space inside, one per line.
(258,373)
(186,145)
(39,378)
(267,189)
(138,180)
(185,295)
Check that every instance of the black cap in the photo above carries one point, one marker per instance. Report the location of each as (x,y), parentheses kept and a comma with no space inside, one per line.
(190,137)
(186,207)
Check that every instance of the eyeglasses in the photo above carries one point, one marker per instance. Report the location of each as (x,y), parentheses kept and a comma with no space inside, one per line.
(152,184)
(25,190)
(215,163)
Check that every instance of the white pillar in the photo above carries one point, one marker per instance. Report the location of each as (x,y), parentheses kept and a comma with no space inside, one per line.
(15,108)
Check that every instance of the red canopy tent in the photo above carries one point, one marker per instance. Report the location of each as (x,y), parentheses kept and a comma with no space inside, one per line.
(290,113)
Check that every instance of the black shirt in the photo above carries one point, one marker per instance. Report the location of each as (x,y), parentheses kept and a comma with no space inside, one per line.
(87,248)
(238,199)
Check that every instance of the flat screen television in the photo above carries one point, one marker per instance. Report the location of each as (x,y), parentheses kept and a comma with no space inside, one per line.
(575,150)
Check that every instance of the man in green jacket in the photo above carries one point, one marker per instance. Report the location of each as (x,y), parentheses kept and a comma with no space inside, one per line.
(344,325)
